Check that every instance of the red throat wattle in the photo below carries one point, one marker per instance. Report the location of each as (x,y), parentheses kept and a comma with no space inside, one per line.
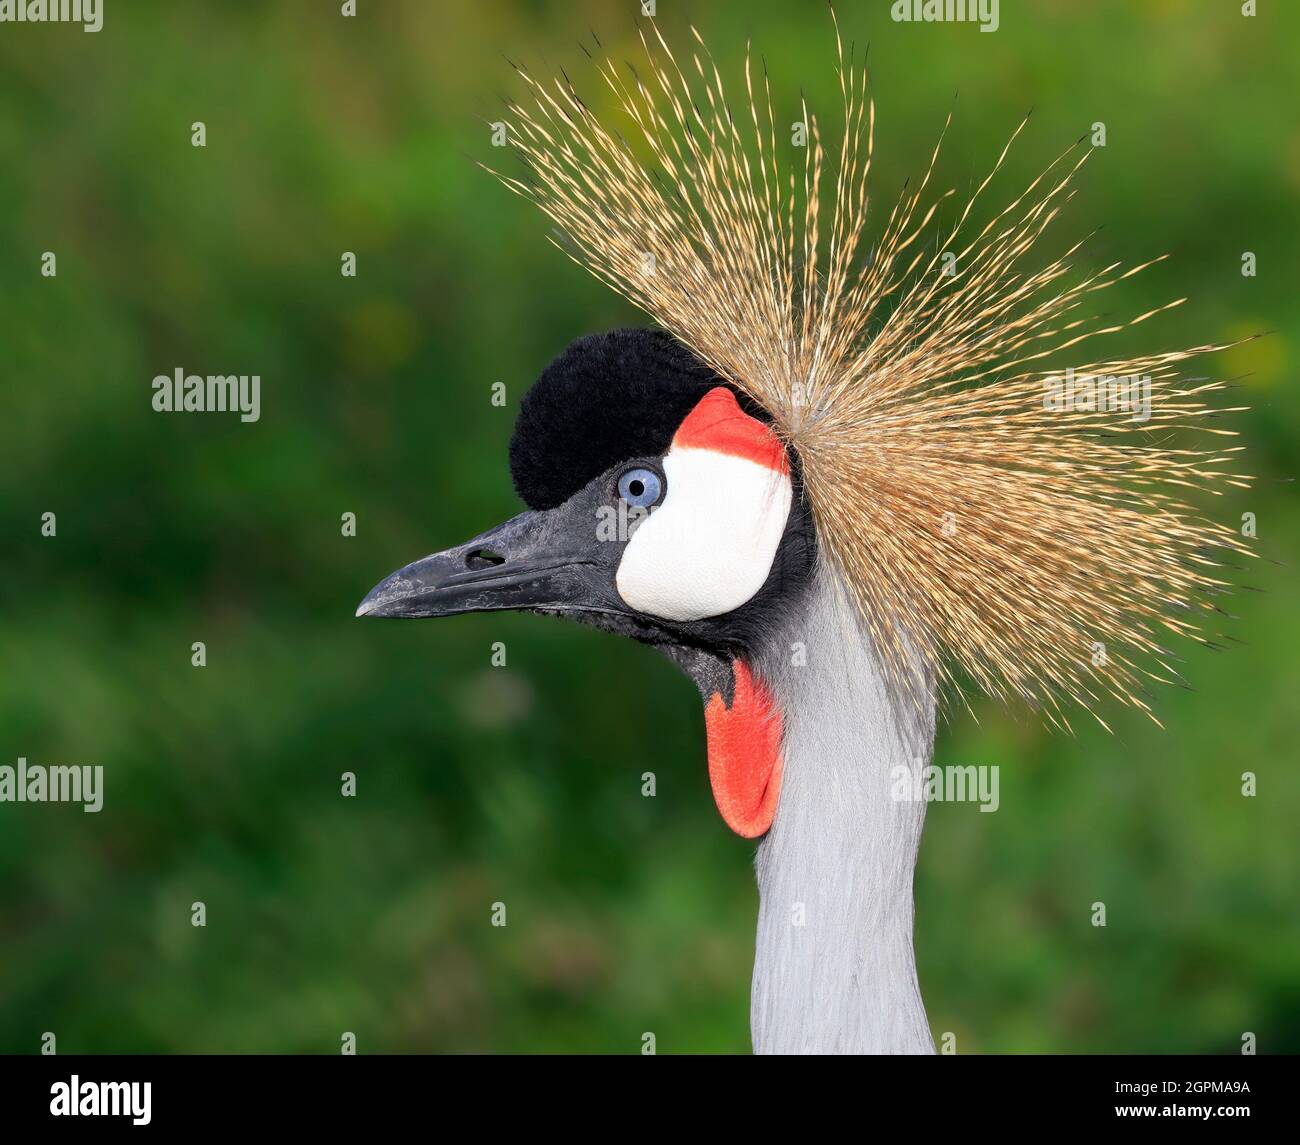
(744,754)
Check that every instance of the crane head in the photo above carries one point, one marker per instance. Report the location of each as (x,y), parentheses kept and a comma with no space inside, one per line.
(662,506)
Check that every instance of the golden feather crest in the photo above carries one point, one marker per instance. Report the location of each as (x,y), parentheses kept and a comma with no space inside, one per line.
(981,512)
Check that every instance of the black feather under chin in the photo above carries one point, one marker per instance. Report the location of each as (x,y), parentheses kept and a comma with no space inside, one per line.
(606,398)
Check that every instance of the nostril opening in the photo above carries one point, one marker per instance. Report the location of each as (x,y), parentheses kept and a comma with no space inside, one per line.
(483,559)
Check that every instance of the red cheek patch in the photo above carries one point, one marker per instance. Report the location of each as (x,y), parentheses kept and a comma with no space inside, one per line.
(718,423)
(744,753)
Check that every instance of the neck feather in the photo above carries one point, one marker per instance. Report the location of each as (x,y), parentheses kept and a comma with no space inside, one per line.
(834,970)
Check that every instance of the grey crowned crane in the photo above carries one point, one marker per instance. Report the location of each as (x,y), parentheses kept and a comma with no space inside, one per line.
(834,488)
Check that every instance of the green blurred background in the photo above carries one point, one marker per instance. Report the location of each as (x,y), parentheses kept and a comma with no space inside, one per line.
(522,784)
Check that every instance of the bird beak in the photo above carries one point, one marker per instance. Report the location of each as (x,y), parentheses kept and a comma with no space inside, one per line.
(547,560)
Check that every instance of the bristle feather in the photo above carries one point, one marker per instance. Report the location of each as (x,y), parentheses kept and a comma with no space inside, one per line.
(907,393)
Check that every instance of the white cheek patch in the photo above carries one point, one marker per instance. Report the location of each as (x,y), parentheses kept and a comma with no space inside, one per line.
(709,546)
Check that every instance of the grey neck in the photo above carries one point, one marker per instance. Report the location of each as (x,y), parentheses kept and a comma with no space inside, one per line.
(834,970)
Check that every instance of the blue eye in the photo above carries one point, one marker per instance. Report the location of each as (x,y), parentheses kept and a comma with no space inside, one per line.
(640,488)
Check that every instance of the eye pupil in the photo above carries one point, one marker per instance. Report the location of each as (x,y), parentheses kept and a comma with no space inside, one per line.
(636,488)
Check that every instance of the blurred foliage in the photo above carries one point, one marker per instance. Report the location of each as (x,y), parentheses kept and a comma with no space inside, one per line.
(522,784)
